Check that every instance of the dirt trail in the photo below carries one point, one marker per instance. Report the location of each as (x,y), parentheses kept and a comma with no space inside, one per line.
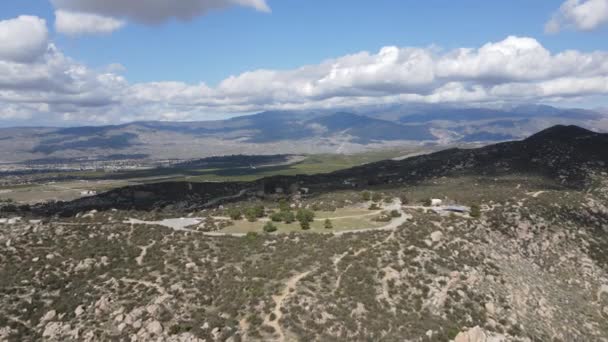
(144,251)
(158,288)
(290,286)
(535,194)
(356,254)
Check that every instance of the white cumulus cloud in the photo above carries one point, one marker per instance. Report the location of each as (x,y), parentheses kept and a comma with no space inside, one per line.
(23,39)
(584,15)
(153,11)
(78,23)
(514,70)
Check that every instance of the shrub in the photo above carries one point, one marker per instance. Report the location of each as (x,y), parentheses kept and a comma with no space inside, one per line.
(283,205)
(288,217)
(404,199)
(283,216)
(259,211)
(366,195)
(395,213)
(251,236)
(377,197)
(270,228)
(277,217)
(251,215)
(427,202)
(305,215)
(374,206)
(305,225)
(475,211)
(235,214)
(179,328)
(328,224)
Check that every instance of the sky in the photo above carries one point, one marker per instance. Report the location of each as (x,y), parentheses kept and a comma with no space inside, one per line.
(68,62)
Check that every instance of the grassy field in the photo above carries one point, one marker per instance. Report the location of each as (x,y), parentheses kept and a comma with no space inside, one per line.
(341,219)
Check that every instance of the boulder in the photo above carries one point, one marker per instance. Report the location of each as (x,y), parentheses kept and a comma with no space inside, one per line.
(79,310)
(475,334)
(49,316)
(154,327)
(436,236)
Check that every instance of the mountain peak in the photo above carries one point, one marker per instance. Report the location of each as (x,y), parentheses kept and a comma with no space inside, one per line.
(561,132)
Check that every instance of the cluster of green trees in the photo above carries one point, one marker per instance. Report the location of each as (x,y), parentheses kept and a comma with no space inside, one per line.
(305,217)
(283,216)
(375,197)
(252,214)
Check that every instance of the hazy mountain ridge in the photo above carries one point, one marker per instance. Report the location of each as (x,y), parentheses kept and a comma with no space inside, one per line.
(290,132)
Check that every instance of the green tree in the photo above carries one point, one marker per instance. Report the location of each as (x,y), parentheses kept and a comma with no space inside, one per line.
(269,227)
(366,195)
(277,217)
(235,214)
(283,205)
(288,217)
(305,215)
(305,225)
(328,224)
(259,211)
(251,215)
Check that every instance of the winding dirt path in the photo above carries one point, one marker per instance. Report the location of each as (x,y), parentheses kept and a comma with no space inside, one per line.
(290,286)
(144,251)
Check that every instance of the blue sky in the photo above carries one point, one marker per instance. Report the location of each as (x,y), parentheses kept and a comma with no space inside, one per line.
(237,39)
(298,32)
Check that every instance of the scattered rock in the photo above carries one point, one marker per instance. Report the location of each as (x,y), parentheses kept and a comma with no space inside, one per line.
(49,316)
(490,309)
(475,334)
(436,236)
(102,305)
(154,327)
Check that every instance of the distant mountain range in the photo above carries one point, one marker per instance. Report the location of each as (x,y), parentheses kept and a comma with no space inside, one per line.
(289,132)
